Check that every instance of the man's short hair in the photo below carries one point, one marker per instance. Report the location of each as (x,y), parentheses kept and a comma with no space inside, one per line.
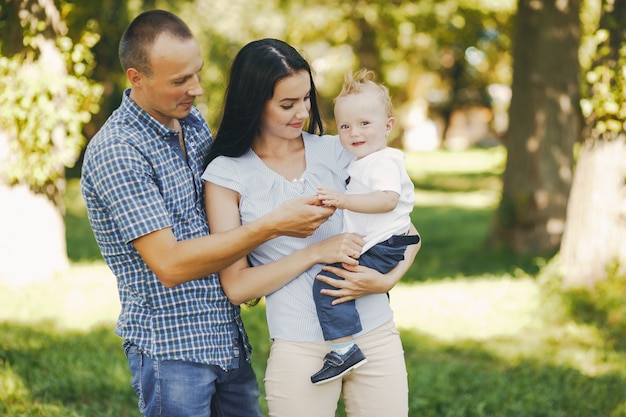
(140,35)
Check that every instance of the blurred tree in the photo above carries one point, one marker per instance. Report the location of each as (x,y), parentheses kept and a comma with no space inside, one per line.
(46,98)
(444,53)
(107,18)
(594,242)
(411,45)
(406,43)
(421,50)
(545,124)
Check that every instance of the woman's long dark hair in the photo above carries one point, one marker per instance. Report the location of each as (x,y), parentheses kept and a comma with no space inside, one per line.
(254,73)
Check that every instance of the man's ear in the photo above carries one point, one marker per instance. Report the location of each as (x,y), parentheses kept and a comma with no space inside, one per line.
(134,76)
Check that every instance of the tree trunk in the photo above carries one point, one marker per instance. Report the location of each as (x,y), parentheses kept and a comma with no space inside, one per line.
(594,243)
(366,48)
(32,241)
(544,125)
(595,238)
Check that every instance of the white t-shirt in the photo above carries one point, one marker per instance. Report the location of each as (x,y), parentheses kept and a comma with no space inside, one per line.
(380,171)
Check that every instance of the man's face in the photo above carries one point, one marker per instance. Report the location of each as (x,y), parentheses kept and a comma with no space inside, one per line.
(169,92)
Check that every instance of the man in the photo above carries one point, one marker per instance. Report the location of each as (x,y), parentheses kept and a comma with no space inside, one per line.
(185,342)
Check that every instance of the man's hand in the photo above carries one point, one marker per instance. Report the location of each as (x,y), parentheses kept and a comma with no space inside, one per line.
(299,217)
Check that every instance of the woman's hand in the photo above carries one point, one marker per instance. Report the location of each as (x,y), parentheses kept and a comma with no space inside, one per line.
(357,282)
(344,247)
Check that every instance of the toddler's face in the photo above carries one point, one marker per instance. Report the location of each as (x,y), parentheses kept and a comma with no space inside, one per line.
(362,123)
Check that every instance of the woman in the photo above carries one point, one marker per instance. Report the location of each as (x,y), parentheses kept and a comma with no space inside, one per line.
(262,157)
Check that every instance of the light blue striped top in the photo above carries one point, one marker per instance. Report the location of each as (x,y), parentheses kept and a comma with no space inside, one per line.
(291,313)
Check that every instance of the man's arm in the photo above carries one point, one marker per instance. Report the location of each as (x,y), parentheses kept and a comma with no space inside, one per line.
(175,262)
(242,282)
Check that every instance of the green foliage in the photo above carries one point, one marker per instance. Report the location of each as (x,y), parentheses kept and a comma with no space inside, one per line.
(107,19)
(42,117)
(602,306)
(412,47)
(46,97)
(605,104)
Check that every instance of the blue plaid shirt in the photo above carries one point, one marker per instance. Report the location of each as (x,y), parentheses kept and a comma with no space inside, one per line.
(134,182)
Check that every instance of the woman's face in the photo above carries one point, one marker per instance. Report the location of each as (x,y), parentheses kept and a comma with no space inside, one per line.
(285,113)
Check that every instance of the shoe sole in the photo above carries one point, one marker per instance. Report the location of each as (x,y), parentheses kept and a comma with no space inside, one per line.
(356,365)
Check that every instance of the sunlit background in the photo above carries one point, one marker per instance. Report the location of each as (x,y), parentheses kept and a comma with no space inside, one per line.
(491,320)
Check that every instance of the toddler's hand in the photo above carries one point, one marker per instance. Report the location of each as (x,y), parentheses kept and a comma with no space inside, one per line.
(332,198)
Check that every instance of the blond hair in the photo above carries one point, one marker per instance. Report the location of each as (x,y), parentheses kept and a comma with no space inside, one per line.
(362,81)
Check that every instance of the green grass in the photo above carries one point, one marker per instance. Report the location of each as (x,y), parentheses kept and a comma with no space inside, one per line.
(482,335)
(81,245)
(455,243)
(456,195)
(48,372)
(466,380)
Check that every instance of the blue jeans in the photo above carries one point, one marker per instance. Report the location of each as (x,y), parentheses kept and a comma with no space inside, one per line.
(343,319)
(187,389)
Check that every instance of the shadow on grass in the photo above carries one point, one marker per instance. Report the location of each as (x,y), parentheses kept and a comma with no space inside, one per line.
(80,242)
(466,380)
(44,371)
(455,182)
(601,307)
(455,244)
(81,245)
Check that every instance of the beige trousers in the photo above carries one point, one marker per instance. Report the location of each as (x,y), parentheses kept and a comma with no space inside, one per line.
(377,389)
